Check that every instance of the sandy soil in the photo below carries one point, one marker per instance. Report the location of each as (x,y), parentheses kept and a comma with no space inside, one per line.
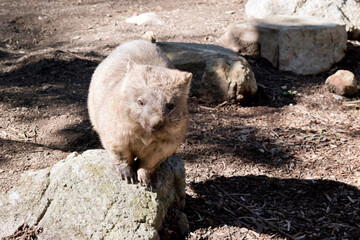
(283,167)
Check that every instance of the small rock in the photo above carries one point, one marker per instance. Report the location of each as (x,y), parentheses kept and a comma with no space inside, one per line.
(209,39)
(158,8)
(338,97)
(342,83)
(149,36)
(71,155)
(230,12)
(149,18)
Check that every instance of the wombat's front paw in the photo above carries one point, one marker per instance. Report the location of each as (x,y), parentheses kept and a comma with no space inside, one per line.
(126,172)
(146,178)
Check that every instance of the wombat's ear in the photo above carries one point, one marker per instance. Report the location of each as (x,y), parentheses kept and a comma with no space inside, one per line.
(184,78)
(130,66)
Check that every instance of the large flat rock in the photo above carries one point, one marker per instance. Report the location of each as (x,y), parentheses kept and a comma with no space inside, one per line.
(219,74)
(342,12)
(303,45)
(82,197)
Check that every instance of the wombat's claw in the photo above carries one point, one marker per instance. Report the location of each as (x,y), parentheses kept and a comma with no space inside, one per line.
(145,182)
(146,179)
(126,172)
(129,179)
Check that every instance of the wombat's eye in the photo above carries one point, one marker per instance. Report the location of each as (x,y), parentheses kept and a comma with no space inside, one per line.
(170,106)
(141,103)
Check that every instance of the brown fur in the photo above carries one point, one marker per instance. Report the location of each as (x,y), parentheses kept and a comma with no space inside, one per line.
(138,106)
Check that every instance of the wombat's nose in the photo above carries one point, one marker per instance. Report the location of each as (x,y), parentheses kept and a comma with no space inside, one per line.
(156,123)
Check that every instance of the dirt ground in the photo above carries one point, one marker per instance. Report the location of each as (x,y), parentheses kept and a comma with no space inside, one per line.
(286,166)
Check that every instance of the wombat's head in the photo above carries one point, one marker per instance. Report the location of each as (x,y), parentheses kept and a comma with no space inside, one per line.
(156,97)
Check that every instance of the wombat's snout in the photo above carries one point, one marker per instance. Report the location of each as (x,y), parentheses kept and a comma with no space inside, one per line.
(156,123)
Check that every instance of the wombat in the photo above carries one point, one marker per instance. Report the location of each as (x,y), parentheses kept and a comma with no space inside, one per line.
(138,106)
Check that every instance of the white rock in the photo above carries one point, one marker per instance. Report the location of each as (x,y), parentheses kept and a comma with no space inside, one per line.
(264,8)
(13,197)
(303,45)
(149,18)
(339,11)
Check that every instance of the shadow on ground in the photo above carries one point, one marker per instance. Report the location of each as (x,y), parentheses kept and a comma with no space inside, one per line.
(247,145)
(292,208)
(46,94)
(224,134)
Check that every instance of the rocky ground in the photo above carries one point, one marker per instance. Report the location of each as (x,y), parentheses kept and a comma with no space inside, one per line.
(284,166)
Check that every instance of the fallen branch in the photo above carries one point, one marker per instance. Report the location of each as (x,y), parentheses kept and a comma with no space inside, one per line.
(355,101)
(221,104)
(78,56)
(351,103)
(207,108)
(215,108)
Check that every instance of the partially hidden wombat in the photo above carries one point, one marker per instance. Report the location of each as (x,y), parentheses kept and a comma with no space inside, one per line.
(138,105)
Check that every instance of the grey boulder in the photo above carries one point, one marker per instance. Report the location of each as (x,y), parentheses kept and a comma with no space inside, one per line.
(303,45)
(82,197)
(219,74)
